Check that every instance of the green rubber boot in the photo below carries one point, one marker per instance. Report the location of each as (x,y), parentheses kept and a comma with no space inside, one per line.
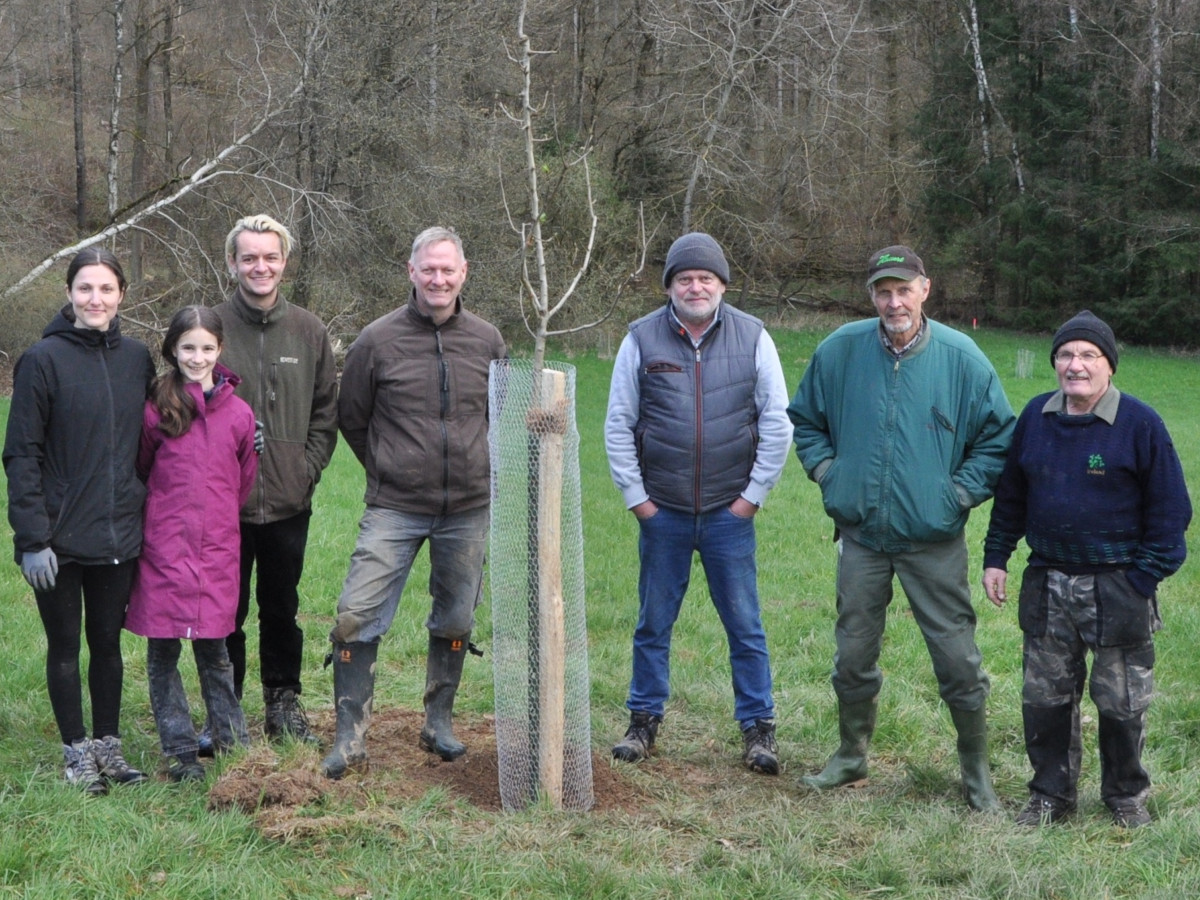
(848,766)
(973,759)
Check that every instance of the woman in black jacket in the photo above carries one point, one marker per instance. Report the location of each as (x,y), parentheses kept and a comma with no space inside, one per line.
(75,503)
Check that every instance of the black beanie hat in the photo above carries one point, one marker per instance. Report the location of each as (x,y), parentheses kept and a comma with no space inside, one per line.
(1086,326)
(695,250)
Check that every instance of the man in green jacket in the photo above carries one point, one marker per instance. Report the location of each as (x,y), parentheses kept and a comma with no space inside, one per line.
(903,424)
(283,355)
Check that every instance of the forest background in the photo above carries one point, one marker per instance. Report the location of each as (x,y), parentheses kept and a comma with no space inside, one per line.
(1041,156)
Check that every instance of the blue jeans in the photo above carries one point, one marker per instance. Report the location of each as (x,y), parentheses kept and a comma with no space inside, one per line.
(726,545)
(388,542)
(169,701)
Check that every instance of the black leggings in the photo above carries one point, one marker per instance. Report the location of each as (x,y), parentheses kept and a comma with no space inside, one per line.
(103,592)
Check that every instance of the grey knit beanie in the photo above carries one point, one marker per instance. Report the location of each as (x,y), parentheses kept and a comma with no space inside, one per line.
(1086,326)
(695,250)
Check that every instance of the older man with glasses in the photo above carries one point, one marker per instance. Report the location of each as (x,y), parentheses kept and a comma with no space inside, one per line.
(1094,486)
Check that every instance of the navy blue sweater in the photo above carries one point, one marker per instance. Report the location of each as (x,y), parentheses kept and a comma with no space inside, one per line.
(1092,492)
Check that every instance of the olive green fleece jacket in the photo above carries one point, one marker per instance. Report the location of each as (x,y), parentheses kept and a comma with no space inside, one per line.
(289,378)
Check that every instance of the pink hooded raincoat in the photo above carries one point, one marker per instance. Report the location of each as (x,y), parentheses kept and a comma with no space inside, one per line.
(188,574)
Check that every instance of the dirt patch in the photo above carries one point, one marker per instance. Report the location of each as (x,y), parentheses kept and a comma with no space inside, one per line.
(286,795)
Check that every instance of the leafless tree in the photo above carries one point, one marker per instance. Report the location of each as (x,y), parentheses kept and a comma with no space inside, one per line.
(240,160)
(114,130)
(987,105)
(77,116)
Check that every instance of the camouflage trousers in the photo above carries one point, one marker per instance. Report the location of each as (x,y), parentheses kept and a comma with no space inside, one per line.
(1055,670)
(1055,662)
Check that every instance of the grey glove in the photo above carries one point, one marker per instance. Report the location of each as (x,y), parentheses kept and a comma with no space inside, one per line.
(39,569)
(260,439)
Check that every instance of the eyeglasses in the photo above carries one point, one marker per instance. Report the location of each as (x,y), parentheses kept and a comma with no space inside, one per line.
(1087,357)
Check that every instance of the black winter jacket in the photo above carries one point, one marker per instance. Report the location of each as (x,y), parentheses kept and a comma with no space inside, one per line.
(72,442)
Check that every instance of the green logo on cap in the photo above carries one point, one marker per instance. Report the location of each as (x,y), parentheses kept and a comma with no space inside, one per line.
(889,259)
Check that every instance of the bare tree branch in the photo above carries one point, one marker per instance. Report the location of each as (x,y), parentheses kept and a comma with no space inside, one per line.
(217,166)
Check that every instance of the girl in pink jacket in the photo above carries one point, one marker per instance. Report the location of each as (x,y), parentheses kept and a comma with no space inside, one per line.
(198,461)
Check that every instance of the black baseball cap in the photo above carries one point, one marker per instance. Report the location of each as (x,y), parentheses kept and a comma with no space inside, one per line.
(894,262)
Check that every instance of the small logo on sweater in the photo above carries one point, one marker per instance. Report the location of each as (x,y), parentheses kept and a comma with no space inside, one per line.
(1095,464)
(294,360)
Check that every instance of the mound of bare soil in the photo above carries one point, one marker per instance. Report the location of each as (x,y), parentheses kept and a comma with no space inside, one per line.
(282,792)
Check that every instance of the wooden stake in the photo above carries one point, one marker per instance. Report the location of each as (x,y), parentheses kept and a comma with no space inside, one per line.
(552,631)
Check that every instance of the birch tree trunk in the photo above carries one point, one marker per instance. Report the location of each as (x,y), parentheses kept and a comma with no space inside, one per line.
(114,121)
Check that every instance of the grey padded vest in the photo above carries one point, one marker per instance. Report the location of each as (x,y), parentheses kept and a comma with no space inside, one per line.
(697,431)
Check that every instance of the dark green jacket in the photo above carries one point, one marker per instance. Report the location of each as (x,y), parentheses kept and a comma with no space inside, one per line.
(289,378)
(902,448)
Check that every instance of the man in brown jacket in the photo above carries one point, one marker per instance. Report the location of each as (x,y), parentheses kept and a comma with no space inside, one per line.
(413,407)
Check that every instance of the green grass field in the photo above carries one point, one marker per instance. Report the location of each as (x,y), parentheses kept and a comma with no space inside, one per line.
(907,834)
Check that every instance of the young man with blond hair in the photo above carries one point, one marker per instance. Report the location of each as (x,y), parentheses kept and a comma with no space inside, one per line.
(283,355)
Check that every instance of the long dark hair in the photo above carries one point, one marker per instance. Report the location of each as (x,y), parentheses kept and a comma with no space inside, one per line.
(96,256)
(175,405)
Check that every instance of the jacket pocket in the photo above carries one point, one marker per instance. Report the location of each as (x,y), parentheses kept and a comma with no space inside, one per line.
(286,480)
(1032,602)
(1123,616)
(56,498)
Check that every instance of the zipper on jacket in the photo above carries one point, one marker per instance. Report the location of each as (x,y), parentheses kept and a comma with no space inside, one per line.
(444,386)
(260,411)
(112,445)
(699,412)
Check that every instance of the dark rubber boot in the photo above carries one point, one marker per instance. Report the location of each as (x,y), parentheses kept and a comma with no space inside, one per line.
(443,671)
(848,766)
(973,759)
(353,690)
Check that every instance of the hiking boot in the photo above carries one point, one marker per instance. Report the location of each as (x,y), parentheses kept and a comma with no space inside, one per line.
(285,716)
(1042,810)
(185,767)
(111,762)
(1130,814)
(638,742)
(81,769)
(204,742)
(760,753)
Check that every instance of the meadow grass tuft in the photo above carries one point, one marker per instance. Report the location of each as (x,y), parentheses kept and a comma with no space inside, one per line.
(712,830)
